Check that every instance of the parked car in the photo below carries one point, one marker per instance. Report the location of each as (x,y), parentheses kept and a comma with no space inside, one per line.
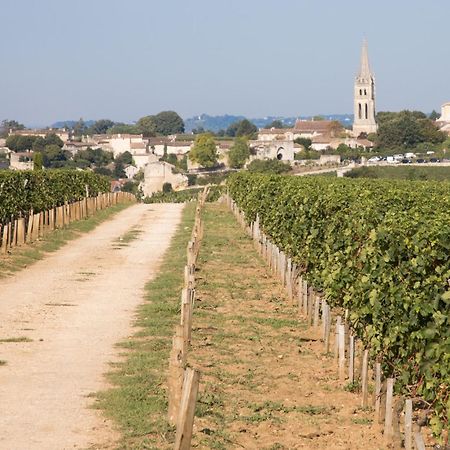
(435,160)
(406,161)
(391,160)
(421,161)
(374,159)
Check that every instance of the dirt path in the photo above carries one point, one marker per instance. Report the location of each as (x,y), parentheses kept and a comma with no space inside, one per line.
(73,306)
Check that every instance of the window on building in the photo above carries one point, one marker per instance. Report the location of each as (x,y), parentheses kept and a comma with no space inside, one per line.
(367,111)
(359,111)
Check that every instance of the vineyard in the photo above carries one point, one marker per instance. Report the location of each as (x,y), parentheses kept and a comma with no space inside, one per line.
(378,249)
(21,192)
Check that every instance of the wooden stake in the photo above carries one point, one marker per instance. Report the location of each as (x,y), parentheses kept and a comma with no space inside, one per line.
(365,379)
(324,305)
(14,237)
(341,352)
(408,424)
(30,227)
(418,440)
(336,338)
(305,298)
(311,298)
(388,418)
(5,239)
(377,392)
(300,295)
(351,359)
(21,231)
(177,362)
(316,310)
(186,413)
(327,329)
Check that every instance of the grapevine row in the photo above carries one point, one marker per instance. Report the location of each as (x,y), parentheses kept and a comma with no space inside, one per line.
(381,250)
(21,192)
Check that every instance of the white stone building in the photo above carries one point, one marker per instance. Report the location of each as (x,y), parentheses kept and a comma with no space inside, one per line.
(157,173)
(444,121)
(21,160)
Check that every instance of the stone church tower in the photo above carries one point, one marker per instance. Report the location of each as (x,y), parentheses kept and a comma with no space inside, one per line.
(364,104)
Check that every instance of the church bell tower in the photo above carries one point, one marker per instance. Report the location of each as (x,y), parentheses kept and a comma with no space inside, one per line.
(364,95)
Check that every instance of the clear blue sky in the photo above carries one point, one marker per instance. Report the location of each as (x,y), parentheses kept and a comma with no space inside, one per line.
(124,59)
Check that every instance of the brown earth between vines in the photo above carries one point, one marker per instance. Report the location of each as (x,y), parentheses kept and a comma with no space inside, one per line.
(265,381)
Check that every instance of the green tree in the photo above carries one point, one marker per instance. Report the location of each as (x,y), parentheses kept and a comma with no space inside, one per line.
(239,153)
(168,122)
(268,166)
(146,126)
(241,128)
(204,151)
(8,125)
(55,157)
(434,115)
(119,170)
(125,158)
(38,161)
(100,126)
(274,124)
(123,128)
(103,171)
(53,139)
(246,128)
(167,187)
(18,143)
(80,128)
(39,144)
(305,142)
(93,157)
(406,129)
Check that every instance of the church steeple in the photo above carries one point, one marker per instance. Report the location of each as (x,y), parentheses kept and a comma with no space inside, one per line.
(364,70)
(364,97)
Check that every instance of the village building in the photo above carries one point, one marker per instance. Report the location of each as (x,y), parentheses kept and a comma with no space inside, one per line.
(282,150)
(62,133)
(131,171)
(74,146)
(444,121)
(21,160)
(157,173)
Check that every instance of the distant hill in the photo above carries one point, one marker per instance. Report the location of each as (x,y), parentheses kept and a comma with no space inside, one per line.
(70,123)
(216,123)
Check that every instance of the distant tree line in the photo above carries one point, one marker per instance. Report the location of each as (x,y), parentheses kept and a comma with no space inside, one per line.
(163,123)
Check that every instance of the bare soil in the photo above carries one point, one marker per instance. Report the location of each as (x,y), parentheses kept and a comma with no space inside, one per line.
(72,307)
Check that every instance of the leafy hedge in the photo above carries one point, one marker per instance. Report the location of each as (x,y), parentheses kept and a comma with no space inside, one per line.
(380,248)
(185,195)
(22,191)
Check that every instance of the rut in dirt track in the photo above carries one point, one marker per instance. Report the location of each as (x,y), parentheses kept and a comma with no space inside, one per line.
(74,306)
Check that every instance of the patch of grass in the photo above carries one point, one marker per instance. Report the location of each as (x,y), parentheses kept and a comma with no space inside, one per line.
(314,410)
(129,236)
(137,402)
(276,322)
(16,339)
(353,387)
(362,421)
(22,257)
